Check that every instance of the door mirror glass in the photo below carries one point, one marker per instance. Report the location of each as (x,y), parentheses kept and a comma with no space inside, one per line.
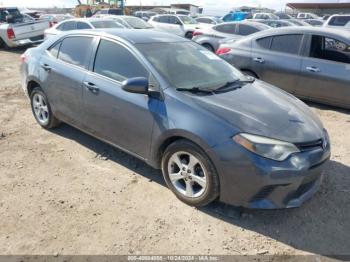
(137,85)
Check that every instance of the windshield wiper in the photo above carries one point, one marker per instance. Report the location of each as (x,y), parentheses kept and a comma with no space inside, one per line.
(195,90)
(231,85)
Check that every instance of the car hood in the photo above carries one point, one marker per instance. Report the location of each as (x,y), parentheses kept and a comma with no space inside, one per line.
(265,110)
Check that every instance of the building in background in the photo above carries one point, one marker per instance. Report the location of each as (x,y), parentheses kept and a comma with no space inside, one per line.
(321,9)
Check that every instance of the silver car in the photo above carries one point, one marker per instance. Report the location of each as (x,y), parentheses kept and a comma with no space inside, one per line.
(312,63)
(211,37)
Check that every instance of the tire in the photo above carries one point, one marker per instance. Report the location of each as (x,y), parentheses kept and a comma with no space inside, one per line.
(209,47)
(41,109)
(3,45)
(196,182)
(189,35)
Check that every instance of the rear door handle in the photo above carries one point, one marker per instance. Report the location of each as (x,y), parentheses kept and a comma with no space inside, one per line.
(313,69)
(259,60)
(46,67)
(91,87)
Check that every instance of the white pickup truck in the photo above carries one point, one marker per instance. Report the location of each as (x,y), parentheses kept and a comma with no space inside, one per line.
(18,30)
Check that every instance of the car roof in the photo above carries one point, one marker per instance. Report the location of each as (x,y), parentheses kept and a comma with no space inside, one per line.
(90,19)
(305,30)
(140,36)
(248,22)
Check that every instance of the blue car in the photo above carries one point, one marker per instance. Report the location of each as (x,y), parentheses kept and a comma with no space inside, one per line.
(236,16)
(214,132)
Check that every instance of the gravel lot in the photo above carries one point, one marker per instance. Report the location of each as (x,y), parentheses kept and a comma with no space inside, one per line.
(63,192)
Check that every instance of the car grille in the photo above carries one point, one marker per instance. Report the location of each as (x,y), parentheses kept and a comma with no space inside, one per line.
(264,192)
(310,145)
(302,189)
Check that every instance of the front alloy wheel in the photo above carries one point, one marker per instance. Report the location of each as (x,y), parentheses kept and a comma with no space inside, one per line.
(187,174)
(190,174)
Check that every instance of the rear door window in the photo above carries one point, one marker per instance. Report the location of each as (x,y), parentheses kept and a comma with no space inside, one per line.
(289,44)
(264,42)
(246,29)
(226,28)
(73,50)
(329,49)
(339,20)
(116,62)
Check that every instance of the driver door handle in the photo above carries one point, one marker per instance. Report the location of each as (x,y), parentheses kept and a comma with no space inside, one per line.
(259,60)
(313,69)
(91,87)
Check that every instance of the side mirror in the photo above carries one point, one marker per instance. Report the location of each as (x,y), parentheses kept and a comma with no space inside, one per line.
(137,85)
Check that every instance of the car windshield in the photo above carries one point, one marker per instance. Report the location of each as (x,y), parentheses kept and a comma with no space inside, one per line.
(187,65)
(187,20)
(105,24)
(137,23)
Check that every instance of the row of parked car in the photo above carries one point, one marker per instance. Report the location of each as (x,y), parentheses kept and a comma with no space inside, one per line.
(293,57)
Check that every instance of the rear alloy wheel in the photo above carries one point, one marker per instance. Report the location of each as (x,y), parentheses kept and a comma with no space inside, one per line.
(190,174)
(42,110)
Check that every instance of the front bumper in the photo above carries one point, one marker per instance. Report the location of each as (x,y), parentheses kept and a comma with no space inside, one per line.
(251,181)
(23,42)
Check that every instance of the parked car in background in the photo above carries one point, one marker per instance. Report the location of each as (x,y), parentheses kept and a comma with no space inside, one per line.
(274,23)
(214,133)
(208,21)
(110,11)
(283,15)
(181,25)
(81,24)
(32,13)
(127,21)
(314,22)
(307,16)
(56,18)
(19,30)
(298,22)
(211,37)
(338,21)
(177,11)
(145,15)
(265,16)
(310,62)
(236,16)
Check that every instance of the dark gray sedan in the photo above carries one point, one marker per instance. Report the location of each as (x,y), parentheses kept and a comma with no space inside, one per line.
(309,62)
(214,132)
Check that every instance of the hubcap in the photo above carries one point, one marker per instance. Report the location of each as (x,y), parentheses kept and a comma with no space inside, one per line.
(187,174)
(40,109)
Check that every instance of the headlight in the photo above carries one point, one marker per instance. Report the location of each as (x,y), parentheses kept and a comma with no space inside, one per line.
(266,147)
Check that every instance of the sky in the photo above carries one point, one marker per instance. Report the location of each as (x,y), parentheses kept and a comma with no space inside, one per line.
(274,4)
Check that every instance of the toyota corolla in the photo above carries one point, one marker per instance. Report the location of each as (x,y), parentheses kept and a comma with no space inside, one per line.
(214,132)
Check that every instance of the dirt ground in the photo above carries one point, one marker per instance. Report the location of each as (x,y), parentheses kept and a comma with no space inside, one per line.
(63,192)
